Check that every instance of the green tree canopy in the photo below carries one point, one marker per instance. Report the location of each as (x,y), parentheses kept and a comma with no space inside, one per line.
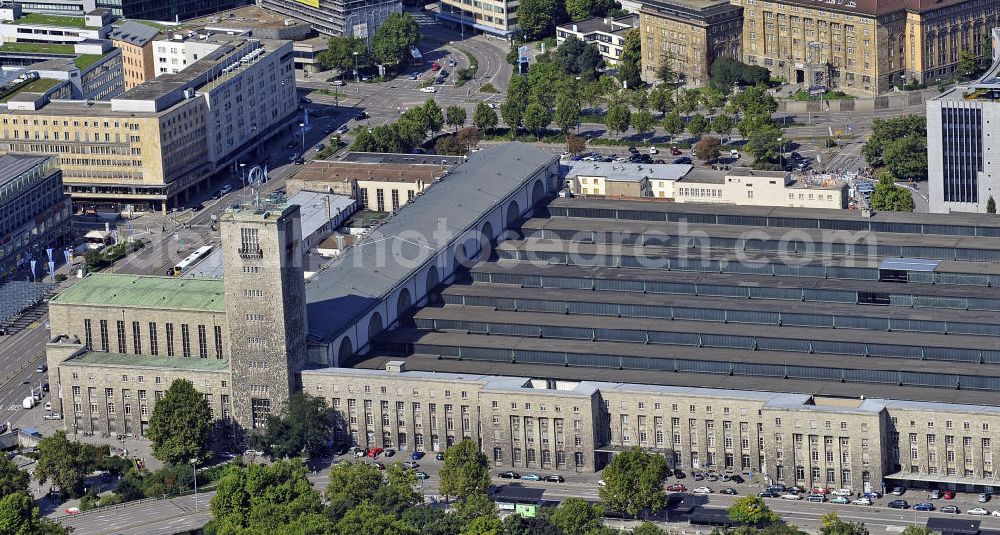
(466,470)
(648,528)
(65,462)
(630,63)
(618,118)
(661,99)
(513,115)
(455,116)
(435,116)
(567,114)
(763,142)
(303,424)
(906,157)
(885,131)
(20,516)
(918,530)
(181,425)
(538,18)
(352,483)
(888,196)
(643,121)
(542,79)
(833,525)
(12,478)
(267,499)
(967,64)
(673,123)
(393,39)
(751,510)
(634,482)
(698,124)
(723,124)
(665,71)
(727,72)
(474,506)
(537,118)
(574,57)
(576,516)
(339,53)
(485,118)
(754,102)
(368,519)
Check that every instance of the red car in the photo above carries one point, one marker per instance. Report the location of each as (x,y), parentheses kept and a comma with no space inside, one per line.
(674,151)
(948,495)
(676,487)
(374,452)
(819,490)
(435,67)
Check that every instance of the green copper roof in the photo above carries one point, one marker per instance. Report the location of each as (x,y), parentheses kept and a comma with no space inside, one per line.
(146,361)
(146,291)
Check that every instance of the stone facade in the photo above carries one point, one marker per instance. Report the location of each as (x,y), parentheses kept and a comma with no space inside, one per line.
(265,297)
(693,34)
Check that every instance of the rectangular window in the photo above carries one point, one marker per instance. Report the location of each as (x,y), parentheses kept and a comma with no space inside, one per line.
(185,340)
(170,339)
(202,342)
(380,200)
(218,342)
(121,336)
(154,348)
(395,200)
(260,409)
(137,337)
(105,344)
(88,337)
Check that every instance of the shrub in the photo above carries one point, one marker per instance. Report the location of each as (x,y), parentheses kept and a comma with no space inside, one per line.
(488,88)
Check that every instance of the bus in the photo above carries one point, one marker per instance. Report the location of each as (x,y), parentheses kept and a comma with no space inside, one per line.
(191,260)
(97,239)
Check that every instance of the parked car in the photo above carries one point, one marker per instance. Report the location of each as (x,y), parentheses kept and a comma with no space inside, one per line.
(411,464)
(555,479)
(948,495)
(52,416)
(738,479)
(45,387)
(820,490)
(978,511)
(653,150)
(679,474)
(360,452)
(676,487)
(950,509)
(439,456)
(633,150)
(984,497)
(337,83)
(361,116)
(42,368)
(926,506)
(898,504)
(702,490)
(299,161)
(697,476)
(683,160)
(417,455)
(342,129)
(421,475)
(791,496)
(816,498)
(839,499)
(379,465)
(435,66)
(253,453)
(778,487)
(413,76)
(729,490)
(375,452)
(996,513)
(48,405)
(769,494)
(843,492)
(674,151)
(428,89)
(862,501)
(510,475)
(935,495)
(531,477)
(712,477)
(898,491)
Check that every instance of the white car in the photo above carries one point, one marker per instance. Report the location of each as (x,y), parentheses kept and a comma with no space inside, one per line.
(652,150)
(601,483)
(791,496)
(48,405)
(253,453)
(842,492)
(862,501)
(621,160)
(563,155)
(996,513)
(979,511)
(428,90)
(702,490)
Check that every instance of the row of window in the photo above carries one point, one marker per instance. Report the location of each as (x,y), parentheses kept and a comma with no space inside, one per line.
(153,341)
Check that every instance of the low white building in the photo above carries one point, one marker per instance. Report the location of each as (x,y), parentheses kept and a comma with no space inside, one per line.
(180,49)
(607,33)
(16,26)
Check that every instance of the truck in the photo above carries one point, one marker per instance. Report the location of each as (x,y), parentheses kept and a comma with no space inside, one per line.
(28,402)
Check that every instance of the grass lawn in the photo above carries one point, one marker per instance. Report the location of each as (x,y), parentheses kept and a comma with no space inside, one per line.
(53,20)
(86,60)
(40,85)
(37,47)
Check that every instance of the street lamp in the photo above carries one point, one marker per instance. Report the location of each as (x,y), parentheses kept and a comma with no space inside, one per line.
(302,129)
(781,155)
(243,178)
(194,468)
(356,80)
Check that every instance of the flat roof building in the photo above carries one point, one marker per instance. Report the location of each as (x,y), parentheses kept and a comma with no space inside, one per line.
(35,212)
(607,33)
(691,33)
(357,18)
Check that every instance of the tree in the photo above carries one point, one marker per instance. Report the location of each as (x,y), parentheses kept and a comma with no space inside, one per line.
(698,125)
(394,38)
(537,18)
(918,530)
(267,499)
(906,157)
(455,116)
(885,131)
(435,117)
(723,125)
(643,121)
(469,137)
(660,99)
(575,144)
(512,115)
(537,118)
(303,424)
(12,478)
(708,149)
(448,145)
(618,118)
(20,516)
(542,78)
(688,100)
(673,123)
(712,98)
(466,470)
(483,525)
(630,63)
(181,425)
(566,54)
(474,506)
(519,525)
(648,528)
(567,114)
(751,510)
(991,208)
(726,73)
(762,142)
(634,482)
(339,53)
(665,71)
(589,62)
(351,484)
(833,525)
(66,463)
(485,118)
(967,64)
(754,102)
(890,197)
(367,519)
(575,516)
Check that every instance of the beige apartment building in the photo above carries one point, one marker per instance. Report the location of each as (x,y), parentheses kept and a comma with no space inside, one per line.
(380,187)
(692,32)
(136,43)
(864,47)
(155,144)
